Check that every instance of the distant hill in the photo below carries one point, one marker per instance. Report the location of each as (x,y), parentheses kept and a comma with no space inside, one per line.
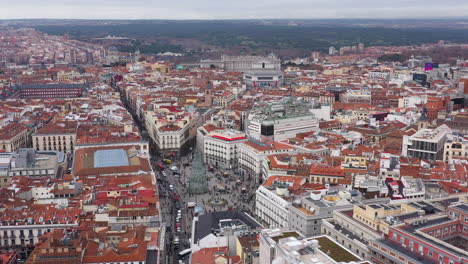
(274,34)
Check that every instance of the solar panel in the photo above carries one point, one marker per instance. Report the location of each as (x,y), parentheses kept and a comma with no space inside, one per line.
(110,158)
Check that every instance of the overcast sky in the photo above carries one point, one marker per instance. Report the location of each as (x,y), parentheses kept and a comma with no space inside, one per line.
(232,9)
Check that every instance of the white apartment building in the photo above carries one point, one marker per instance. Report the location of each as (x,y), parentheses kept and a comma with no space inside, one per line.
(280,120)
(400,77)
(356,96)
(426,143)
(379,75)
(390,165)
(280,204)
(221,147)
(322,113)
(28,226)
(28,234)
(270,208)
(252,152)
(413,188)
(456,148)
(412,100)
(222,100)
(287,246)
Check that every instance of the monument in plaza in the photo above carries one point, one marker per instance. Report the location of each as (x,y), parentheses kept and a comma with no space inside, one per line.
(198,183)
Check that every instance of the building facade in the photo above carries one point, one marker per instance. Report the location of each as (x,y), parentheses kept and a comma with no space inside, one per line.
(13,137)
(56,136)
(252,153)
(30,163)
(243,63)
(221,148)
(426,143)
(457,148)
(280,120)
(59,90)
(263,78)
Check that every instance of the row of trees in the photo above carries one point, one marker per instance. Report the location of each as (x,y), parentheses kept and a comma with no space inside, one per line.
(225,34)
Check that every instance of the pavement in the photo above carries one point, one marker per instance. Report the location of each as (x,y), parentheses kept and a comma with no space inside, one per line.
(235,197)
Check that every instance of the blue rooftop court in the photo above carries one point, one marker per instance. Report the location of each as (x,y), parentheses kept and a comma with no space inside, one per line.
(110,158)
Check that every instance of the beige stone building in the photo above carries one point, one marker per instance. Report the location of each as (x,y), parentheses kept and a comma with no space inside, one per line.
(455,150)
(13,137)
(59,136)
(169,127)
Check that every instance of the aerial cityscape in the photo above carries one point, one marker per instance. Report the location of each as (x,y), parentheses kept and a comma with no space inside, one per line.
(206,137)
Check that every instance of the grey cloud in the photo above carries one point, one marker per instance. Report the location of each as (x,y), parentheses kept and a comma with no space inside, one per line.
(223,9)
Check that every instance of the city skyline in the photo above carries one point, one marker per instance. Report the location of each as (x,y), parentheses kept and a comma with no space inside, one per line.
(206,10)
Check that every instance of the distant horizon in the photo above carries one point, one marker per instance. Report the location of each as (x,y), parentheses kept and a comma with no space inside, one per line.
(238,19)
(231,10)
(247,19)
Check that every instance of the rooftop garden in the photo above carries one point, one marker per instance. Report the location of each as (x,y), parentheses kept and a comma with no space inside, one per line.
(335,251)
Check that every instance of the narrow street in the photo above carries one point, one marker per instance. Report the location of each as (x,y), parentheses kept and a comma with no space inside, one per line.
(232,190)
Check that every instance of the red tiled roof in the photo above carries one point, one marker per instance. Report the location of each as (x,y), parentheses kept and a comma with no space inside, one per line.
(296,181)
(452,187)
(11,130)
(327,171)
(210,255)
(273,146)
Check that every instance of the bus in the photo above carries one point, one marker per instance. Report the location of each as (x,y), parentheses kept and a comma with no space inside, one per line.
(184,253)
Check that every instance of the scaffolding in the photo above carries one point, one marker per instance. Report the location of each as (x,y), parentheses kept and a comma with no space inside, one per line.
(198,183)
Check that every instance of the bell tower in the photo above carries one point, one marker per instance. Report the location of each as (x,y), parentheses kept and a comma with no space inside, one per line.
(423,121)
(208,95)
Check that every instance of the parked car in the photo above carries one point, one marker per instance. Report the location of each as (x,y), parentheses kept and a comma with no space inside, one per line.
(173,168)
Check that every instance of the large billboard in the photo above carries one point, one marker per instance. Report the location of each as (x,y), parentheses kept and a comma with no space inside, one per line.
(428,66)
